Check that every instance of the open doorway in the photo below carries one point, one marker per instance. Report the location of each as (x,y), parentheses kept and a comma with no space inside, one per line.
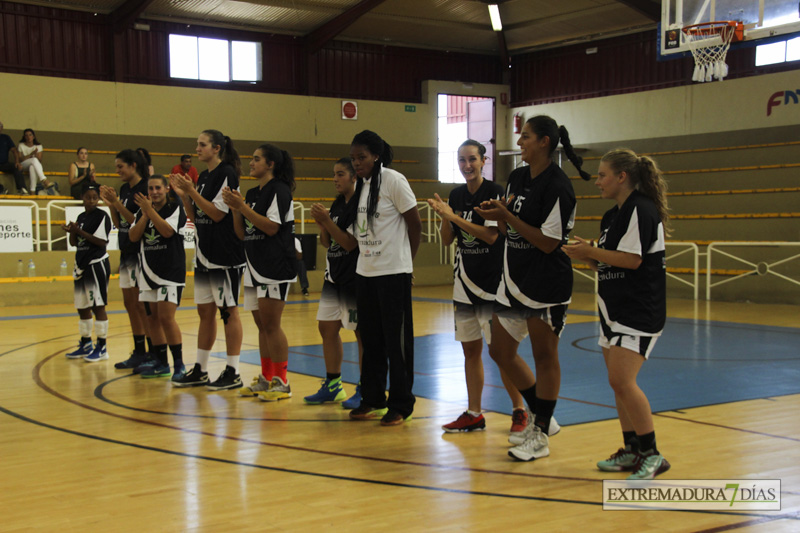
(462,118)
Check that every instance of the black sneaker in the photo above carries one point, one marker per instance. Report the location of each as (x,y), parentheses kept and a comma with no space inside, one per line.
(229,379)
(193,378)
(131,362)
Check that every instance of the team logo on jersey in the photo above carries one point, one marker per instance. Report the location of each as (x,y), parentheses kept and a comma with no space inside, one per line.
(151,238)
(249,228)
(470,241)
(81,241)
(198,212)
(362,228)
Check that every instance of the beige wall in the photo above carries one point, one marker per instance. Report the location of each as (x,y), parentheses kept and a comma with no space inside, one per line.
(730,105)
(80,106)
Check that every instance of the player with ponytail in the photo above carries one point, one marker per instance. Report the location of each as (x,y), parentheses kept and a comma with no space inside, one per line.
(631,267)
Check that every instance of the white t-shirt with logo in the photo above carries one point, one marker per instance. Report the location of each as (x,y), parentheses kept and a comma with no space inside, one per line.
(384,248)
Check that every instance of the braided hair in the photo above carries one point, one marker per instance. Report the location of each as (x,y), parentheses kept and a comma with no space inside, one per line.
(377,146)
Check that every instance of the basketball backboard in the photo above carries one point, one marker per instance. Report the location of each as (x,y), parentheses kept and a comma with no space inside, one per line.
(762,19)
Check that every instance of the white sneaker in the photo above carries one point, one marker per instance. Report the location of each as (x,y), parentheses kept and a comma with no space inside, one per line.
(518,437)
(535,447)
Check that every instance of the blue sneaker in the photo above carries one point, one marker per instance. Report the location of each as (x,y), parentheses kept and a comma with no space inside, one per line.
(354,401)
(178,373)
(158,370)
(329,392)
(98,354)
(83,350)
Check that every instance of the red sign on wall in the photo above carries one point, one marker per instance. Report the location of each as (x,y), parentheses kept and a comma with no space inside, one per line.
(349,110)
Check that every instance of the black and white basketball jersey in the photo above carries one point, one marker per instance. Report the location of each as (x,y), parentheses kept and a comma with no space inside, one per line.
(341,264)
(127,248)
(531,277)
(478,265)
(271,259)
(634,302)
(163,260)
(97,223)
(216,243)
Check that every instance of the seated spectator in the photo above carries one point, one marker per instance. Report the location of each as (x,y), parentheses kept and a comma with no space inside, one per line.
(186,169)
(9,161)
(149,160)
(30,157)
(80,172)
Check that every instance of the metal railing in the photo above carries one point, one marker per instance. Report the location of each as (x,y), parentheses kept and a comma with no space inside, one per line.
(761,268)
(57,205)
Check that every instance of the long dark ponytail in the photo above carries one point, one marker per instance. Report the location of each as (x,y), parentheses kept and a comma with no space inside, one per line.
(132,157)
(227,153)
(544,126)
(376,146)
(283,168)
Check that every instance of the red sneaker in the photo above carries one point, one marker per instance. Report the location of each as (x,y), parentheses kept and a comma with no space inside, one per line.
(466,422)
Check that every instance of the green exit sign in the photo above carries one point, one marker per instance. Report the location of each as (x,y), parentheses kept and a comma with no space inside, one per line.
(411,109)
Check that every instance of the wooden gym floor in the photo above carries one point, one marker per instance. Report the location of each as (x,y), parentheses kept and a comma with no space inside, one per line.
(89,448)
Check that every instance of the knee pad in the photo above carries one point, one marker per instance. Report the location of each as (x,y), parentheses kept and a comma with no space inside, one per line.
(224,315)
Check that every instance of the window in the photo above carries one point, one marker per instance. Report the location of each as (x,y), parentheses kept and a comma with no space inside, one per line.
(200,58)
(778,52)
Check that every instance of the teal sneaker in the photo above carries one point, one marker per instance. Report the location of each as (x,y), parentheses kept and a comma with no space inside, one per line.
(158,370)
(649,466)
(624,460)
(331,391)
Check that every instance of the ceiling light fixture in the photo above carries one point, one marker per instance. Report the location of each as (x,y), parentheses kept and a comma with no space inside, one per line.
(494,14)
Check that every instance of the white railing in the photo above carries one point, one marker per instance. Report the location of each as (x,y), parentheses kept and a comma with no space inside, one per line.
(57,205)
(689,248)
(761,268)
(37,231)
(302,218)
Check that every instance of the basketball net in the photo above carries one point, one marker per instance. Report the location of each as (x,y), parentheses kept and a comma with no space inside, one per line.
(709,43)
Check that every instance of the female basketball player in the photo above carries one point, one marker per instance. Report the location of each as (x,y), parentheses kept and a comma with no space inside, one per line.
(264,220)
(337,303)
(477,270)
(132,169)
(536,217)
(219,258)
(89,234)
(388,230)
(630,264)
(162,275)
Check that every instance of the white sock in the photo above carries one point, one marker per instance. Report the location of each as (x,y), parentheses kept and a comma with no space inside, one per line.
(101,328)
(474,413)
(85,327)
(233,361)
(202,358)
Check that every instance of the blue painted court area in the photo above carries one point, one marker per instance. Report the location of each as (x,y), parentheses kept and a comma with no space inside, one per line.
(695,363)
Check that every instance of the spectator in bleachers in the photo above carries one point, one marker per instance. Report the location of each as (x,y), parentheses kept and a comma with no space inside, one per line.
(7,148)
(149,160)
(185,168)
(30,158)
(80,172)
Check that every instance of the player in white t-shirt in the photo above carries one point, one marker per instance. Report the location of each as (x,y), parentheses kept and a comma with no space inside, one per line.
(388,230)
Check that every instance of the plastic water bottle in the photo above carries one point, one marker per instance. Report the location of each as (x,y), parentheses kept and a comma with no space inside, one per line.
(63,267)
(20,269)
(31,269)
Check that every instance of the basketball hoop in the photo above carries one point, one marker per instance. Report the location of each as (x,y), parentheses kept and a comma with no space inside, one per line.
(709,42)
